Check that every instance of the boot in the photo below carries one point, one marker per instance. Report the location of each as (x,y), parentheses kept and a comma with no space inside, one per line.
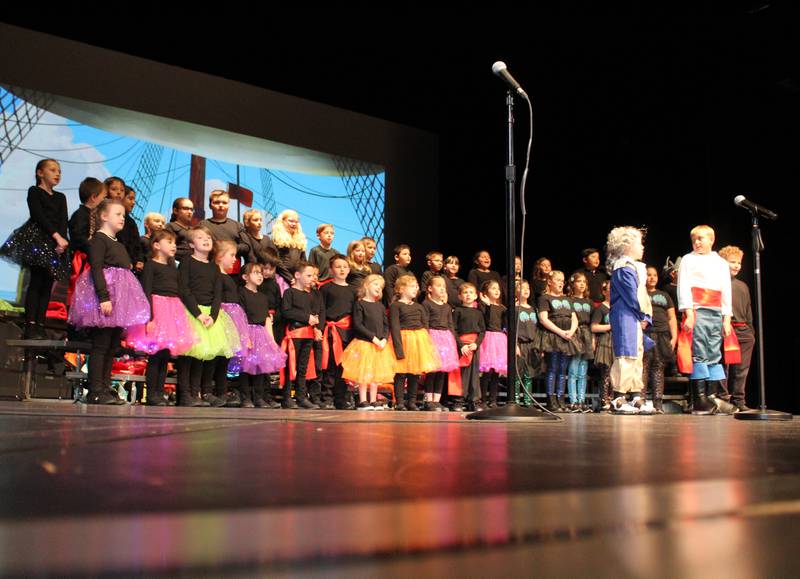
(527,391)
(702,405)
(562,404)
(723,405)
(552,403)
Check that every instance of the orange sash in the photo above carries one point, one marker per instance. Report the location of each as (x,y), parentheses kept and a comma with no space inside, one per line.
(732,350)
(287,345)
(455,387)
(706,297)
(338,345)
(684,351)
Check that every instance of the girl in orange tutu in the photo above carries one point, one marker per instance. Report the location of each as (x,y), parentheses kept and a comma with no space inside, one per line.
(415,351)
(367,361)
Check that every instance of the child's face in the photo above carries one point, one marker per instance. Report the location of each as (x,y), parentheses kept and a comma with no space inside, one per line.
(493,292)
(410,291)
(156,223)
(129,200)
(370,249)
(636,249)
(438,290)
(452,268)
(202,243)
(517,265)
(50,174)
(579,285)
(315,277)
(592,260)
(435,263)
(525,291)
(95,200)
(227,259)
(184,212)
(556,284)
(255,277)
(374,289)
(326,237)
(467,296)
(652,278)
(267,271)
(484,260)
(166,246)
(403,258)
(255,222)
(304,278)
(359,254)
(340,269)
(116,190)
(292,223)
(114,216)
(735,264)
(219,206)
(702,243)
(545,267)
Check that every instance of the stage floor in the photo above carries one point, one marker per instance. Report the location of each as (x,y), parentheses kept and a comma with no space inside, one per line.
(212,492)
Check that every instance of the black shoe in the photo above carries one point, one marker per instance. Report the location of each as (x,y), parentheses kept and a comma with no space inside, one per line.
(185,400)
(232,400)
(458,407)
(412,406)
(103,398)
(156,401)
(259,403)
(214,401)
(270,403)
(289,404)
(306,404)
(723,406)
(247,403)
(552,403)
(117,400)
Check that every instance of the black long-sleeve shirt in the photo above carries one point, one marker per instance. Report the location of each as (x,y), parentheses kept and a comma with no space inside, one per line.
(79,226)
(48,211)
(228,230)
(105,252)
(200,284)
(321,257)
(159,279)
(181,239)
(290,257)
(477,278)
(272,290)
(453,283)
(297,305)
(742,306)
(494,316)
(339,301)
(230,289)
(255,304)
(129,237)
(469,321)
(370,321)
(256,248)
(440,316)
(390,276)
(405,317)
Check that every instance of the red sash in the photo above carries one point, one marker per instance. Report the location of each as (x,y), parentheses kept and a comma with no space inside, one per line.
(455,387)
(80,262)
(732,351)
(287,345)
(338,345)
(684,351)
(706,297)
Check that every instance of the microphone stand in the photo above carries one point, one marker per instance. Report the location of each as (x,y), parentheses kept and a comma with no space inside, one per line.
(512,410)
(762,413)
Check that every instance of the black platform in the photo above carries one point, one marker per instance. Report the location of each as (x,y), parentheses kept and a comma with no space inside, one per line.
(213,492)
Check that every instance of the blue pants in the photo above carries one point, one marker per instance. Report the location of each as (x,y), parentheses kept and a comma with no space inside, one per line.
(557,366)
(578,367)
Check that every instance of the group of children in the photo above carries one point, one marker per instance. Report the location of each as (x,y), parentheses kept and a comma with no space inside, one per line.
(332,323)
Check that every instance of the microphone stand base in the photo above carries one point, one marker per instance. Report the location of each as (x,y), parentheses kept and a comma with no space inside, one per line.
(762,414)
(514,412)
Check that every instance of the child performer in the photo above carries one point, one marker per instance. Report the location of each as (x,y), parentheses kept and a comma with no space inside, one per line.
(541,275)
(317,309)
(41,245)
(340,298)
(259,244)
(262,355)
(180,223)
(129,236)
(82,225)
(107,299)
(371,247)
(442,330)
(223,228)
(494,348)
(664,333)
(704,297)
(529,358)
(298,342)
(320,255)
(604,350)
(451,267)
(368,361)
(225,256)
(631,313)
(169,331)
(359,268)
(558,323)
(482,271)
(413,347)
(470,330)
(152,222)
(290,241)
(435,267)
(582,340)
(200,283)
(402,259)
(742,324)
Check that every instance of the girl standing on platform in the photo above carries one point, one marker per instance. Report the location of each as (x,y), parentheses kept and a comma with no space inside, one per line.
(169,332)
(541,274)
(558,323)
(368,361)
(482,273)
(604,350)
(290,241)
(582,341)
(413,347)
(359,266)
(530,360)
(451,267)
(262,355)
(442,330)
(107,299)
(494,348)
(200,283)
(41,245)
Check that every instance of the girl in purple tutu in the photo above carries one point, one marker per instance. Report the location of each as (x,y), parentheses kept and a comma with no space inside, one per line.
(494,348)
(262,355)
(107,299)
(168,333)
(442,330)
(225,256)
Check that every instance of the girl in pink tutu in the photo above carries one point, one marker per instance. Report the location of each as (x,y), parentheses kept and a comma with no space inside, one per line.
(494,348)
(262,356)
(168,333)
(442,331)
(107,299)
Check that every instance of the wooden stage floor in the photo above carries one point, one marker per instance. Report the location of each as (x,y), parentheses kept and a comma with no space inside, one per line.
(133,490)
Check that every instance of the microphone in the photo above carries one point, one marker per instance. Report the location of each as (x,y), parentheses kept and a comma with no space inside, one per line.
(501,70)
(754,208)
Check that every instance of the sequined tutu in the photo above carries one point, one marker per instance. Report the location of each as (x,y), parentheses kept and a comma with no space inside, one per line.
(494,352)
(214,341)
(30,246)
(129,305)
(445,343)
(172,329)
(263,356)
(238,341)
(420,354)
(364,363)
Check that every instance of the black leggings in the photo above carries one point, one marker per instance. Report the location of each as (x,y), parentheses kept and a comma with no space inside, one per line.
(105,342)
(156,374)
(195,376)
(434,382)
(413,384)
(38,296)
(251,386)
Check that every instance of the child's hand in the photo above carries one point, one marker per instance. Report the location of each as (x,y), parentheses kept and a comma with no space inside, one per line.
(150,327)
(313,320)
(382,344)
(519,353)
(249,344)
(206,320)
(644,324)
(317,335)
(485,299)
(106,308)
(473,347)
(688,320)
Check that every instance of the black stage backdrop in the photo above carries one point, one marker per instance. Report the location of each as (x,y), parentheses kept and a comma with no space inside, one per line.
(653,116)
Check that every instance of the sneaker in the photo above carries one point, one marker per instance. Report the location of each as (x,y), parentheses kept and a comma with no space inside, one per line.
(247,403)
(441,408)
(458,407)
(429,406)
(214,401)
(232,400)
(103,398)
(622,406)
(270,403)
(306,404)
(412,406)
(646,408)
(365,406)
(289,404)
(377,406)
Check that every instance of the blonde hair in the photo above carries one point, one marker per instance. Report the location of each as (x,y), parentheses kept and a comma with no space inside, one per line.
(553,273)
(323,226)
(362,290)
(572,279)
(222,247)
(248,215)
(281,236)
(148,219)
(350,249)
(217,193)
(730,250)
(703,229)
(403,282)
(618,241)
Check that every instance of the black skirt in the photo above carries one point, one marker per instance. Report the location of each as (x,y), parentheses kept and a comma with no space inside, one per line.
(29,246)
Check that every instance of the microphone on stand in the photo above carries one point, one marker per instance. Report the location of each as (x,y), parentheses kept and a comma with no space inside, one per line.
(501,70)
(755,208)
